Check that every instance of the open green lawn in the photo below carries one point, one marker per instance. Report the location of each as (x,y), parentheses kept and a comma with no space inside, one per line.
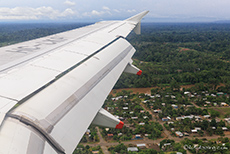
(223,111)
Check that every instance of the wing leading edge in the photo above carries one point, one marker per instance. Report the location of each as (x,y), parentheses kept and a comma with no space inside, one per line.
(60,91)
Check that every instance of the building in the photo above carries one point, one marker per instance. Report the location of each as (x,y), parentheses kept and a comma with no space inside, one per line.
(87,131)
(178,118)
(142,111)
(137,136)
(186,92)
(186,134)
(179,134)
(220,93)
(224,128)
(143,145)
(165,119)
(134,118)
(157,111)
(197,128)
(189,117)
(174,106)
(206,116)
(197,117)
(119,134)
(132,149)
(110,135)
(223,104)
(194,131)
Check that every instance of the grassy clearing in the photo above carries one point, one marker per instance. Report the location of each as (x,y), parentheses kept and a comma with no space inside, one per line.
(223,111)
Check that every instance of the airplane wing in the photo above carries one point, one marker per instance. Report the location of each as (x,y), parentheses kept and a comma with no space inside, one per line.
(53,88)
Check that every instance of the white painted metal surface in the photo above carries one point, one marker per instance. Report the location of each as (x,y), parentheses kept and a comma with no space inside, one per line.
(60,83)
(106,119)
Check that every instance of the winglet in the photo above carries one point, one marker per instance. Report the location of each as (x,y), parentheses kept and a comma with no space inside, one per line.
(137,21)
(137,18)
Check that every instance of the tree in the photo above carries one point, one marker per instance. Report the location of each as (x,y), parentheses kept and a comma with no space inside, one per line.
(219,131)
(174,85)
(213,123)
(204,124)
(214,82)
(221,123)
(209,131)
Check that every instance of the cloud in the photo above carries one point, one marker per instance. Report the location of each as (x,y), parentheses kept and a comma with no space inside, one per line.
(94,13)
(69,3)
(18,13)
(97,13)
(27,13)
(131,11)
(68,12)
(106,8)
(116,10)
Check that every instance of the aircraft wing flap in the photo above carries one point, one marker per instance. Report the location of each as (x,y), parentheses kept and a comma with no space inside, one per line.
(5,106)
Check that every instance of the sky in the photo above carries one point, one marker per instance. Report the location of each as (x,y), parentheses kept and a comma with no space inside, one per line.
(97,10)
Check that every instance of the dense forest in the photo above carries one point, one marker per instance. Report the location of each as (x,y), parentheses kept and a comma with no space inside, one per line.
(179,53)
(182,53)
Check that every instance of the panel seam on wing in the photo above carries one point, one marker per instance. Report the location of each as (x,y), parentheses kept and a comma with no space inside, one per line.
(66,71)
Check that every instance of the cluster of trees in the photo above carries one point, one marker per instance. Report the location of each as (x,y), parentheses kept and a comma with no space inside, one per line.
(81,149)
(92,137)
(186,125)
(127,134)
(170,145)
(154,129)
(186,53)
(121,148)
